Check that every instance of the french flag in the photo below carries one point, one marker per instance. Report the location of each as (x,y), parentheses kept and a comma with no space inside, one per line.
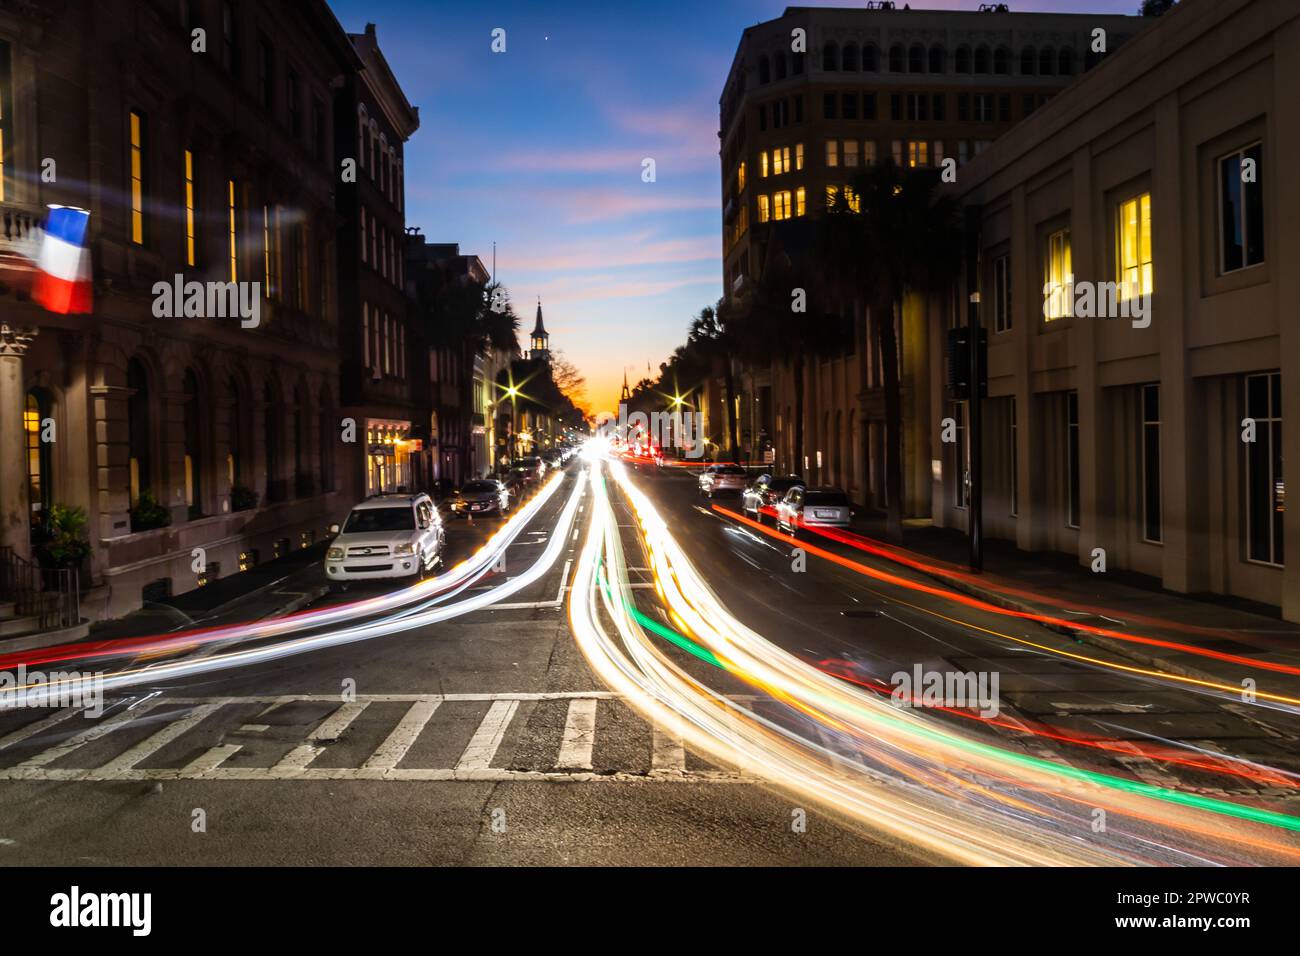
(63,280)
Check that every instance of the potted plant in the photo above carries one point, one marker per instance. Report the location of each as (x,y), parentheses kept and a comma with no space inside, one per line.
(148,513)
(65,544)
(242,498)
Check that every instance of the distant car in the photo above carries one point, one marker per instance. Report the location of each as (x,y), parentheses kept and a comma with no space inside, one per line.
(534,462)
(523,475)
(766,491)
(482,496)
(720,478)
(388,536)
(813,508)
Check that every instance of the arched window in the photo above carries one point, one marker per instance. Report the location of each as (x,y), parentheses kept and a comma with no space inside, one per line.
(40,480)
(983,60)
(830,57)
(1046,62)
(1028,61)
(850,63)
(193,444)
(778,62)
(938,59)
(916,59)
(1065,61)
(764,70)
(870,58)
(896,58)
(1002,61)
(139,431)
(272,442)
(963,59)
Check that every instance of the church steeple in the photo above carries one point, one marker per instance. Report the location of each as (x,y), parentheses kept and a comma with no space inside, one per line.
(541,341)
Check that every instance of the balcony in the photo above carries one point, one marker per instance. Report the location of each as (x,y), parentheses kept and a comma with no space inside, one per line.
(20,238)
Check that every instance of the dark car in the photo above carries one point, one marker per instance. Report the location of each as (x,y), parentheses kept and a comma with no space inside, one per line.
(765,491)
(533,462)
(482,496)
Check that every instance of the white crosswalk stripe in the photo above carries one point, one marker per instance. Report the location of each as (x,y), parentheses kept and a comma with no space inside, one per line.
(579,735)
(483,745)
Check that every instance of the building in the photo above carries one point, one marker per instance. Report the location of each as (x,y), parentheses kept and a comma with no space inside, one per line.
(920,86)
(373,121)
(539,343)
(197,445)
(1105,434)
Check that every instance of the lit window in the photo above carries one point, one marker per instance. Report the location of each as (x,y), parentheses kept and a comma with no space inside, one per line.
(780,157)
(1135,270)
(137,178)
(800,205)
(740,178)
(832,152)
(918,152)
(762,164)
(1060,279)
(869,153)
(764,213)
(853,199)
(850,152)
(798,156)
(234,252)
(190,244)
(781,202)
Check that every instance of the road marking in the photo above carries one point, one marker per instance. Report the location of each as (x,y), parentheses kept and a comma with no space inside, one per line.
(326,733)
(579,735)
(37,727)
(483,745)
(151,745)
(206,763)
(392,750)
(47,757)
(557,602)
(489,775)
(667,752)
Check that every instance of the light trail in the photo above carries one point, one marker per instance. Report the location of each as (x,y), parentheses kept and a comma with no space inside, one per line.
(918,779)
(42,694)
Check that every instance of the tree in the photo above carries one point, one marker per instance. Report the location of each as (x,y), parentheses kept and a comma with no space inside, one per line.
(570,381)
(1154,8)
(898,236)
(715,343)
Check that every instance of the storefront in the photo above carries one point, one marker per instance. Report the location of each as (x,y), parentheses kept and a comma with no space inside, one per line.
(388,456)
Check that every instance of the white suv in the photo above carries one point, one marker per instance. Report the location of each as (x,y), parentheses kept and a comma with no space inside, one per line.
(388,536)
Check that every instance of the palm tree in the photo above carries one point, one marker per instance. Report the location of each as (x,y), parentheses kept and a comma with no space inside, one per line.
(896,236)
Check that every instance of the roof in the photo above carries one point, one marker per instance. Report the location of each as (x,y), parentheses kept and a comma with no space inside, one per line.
(539,328)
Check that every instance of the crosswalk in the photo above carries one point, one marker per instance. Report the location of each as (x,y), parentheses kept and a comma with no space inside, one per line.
(560,737)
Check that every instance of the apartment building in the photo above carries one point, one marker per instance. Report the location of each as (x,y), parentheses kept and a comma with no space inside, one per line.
(811,98)
(1163,443)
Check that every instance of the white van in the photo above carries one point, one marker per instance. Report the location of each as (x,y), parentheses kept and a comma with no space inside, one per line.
(388,536)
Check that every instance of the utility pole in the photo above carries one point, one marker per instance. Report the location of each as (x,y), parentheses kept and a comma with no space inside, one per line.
(977,374)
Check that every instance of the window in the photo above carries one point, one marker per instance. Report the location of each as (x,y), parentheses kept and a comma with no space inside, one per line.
(830,57)
(938,107)
(1002,294)
(764,210)
(963,64)
(798,156)
(983,60)
(1152,529)
(849,106)
(869,153)
(763,164)
(39,476)
(868,106)
(191,256)
(1028,61)
(271,249)
(764,70)
(963,107)
(232,230)
(137,178)
(6,111)
(918,106)
(961,458)
(918,152)
(852,201)
(781,204)
(870,58)
(850,59)
(1072,458)
(828,106)
(984,107)
(1059,281)
(851,152)
(798,108)
(265,73)
(895,106)
(916,59)
(832,152)
(1004,107)
(301,242)
(778,65)
(780,160)
(896,57)
(740,178)
(1241,211)
(800,198)
(1265,490)
(1134,247)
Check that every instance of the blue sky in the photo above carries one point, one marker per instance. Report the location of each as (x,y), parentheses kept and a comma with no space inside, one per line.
(539,149)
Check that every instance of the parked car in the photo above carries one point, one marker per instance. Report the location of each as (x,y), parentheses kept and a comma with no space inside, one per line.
(523,475)
(513,482)
(388,536)
(534,462)
(813,508)
(720,478)
(482,496)
(766,491)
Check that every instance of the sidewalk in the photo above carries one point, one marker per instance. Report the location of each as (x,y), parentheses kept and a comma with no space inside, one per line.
(1227,640)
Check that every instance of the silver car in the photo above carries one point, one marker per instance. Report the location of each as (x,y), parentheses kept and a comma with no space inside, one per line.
(723,478)
(766,491)
(813,508)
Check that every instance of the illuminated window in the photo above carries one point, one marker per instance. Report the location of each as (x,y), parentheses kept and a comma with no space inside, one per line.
(781,202)
(1060,278)
(137,178)
(869,153)
(832,152)
(1135,270)
(851,152)
(918,152)
(780,160)
(853,199)
(764,213)
(191,252)
(762,164)
(234,235)
(798,156)
(800,204)
(740,178)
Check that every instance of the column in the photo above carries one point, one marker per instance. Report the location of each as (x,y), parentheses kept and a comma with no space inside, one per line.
(15,530)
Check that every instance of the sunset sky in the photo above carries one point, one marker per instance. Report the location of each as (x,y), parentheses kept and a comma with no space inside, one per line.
(540,149)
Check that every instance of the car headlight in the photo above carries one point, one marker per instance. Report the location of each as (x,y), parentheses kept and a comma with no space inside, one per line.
(334,554)
(404,549)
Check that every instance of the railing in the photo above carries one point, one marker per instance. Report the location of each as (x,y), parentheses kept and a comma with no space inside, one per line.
(17,230)
(51,595)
